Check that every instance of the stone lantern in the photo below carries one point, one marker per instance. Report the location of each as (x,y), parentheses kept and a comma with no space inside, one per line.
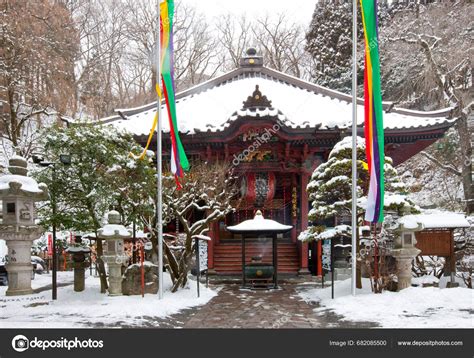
(18,193)
(114,253)
(79,253)
(404,248)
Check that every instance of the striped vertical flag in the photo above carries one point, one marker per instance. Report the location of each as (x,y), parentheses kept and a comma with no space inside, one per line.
(179,161)
(374,131)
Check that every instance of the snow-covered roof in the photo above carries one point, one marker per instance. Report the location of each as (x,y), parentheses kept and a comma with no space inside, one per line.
(213,105)
(440,221)
(445,220)
(78,249)
(259,224)
(114,230)
(27,185)
(410,222)
(19,183)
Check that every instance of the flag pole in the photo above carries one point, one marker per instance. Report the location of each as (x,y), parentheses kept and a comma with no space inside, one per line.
(354,146)
(159,164)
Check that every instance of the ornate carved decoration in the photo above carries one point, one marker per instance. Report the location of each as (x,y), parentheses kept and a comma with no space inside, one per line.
(257,100)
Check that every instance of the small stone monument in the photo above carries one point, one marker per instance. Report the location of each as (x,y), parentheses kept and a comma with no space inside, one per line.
(114,254)
(404,249)
(79,253)
(132,283)
(18,193)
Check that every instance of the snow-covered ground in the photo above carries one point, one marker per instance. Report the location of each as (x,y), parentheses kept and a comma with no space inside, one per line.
(413,307)
(91,308)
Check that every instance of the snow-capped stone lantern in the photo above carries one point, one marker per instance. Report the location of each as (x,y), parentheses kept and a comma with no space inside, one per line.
(18,193)
(79,253)
(114,253)
(404,248)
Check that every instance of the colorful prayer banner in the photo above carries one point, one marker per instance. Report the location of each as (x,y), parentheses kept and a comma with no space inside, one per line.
(179,161)
(374,130)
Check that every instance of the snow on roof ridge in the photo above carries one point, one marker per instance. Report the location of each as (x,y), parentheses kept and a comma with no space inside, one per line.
(360,101)
(184,93)
(297,104)
(415,111)
(322,88)
(280,77)
(441,219)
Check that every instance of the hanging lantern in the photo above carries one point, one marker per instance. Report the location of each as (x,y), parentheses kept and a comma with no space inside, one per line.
(258,188)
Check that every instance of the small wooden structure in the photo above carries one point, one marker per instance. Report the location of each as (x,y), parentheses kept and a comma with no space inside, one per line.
(437,236)
(259,227)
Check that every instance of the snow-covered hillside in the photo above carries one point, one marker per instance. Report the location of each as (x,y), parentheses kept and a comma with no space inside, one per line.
(430,186)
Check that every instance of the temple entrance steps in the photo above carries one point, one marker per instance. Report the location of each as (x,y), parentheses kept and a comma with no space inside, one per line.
(228,256)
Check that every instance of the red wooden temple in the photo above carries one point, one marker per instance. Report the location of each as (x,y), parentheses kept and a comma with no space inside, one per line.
(275,129)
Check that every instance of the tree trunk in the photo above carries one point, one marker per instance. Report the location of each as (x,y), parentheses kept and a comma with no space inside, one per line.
(100,252)
(172,264)
(182,279)
(358,264)
(101,267)
(466,152)
(12,126)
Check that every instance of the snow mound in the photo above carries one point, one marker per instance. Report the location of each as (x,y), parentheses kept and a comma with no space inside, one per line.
(91,308)
(413,307)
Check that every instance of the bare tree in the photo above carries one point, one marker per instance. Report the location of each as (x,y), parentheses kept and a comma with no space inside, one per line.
(282,44)
(447,76)
(196,48)
(280,41)
(140,54)
(39,44)
(101,26)
(205,198)
(235,37)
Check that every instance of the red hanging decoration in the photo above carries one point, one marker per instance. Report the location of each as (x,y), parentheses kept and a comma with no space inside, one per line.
(258,188)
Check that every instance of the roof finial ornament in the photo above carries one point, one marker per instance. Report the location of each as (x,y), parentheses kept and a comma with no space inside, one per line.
(251,51)
(257,100)
(251,59)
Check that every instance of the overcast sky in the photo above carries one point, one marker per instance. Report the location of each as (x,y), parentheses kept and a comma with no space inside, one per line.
(300,10)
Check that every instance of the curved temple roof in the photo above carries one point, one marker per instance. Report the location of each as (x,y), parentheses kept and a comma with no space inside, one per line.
(259,225)
(213,105)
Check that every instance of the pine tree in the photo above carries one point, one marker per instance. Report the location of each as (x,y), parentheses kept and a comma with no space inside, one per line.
(329,41)
(330,187)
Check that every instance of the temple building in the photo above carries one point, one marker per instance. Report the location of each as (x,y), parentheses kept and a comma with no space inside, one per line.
(274,129)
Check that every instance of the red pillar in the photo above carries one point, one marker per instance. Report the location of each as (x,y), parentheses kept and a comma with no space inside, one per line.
(303,246)
(319,269)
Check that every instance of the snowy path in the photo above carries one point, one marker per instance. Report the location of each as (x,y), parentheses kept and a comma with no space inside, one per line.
(234,308)
(297,305)
(221,306)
